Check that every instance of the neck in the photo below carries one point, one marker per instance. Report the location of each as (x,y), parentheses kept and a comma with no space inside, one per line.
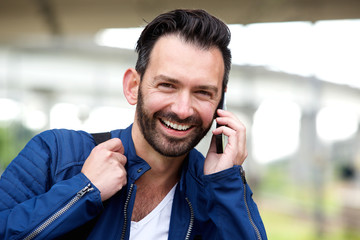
(163,169)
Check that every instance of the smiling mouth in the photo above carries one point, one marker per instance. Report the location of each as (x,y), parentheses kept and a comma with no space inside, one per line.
(175,126)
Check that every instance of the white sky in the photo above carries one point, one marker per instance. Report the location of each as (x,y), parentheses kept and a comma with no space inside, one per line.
(328,50)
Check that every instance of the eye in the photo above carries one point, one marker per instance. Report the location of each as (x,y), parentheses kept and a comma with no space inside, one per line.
(204,93)
(166,85)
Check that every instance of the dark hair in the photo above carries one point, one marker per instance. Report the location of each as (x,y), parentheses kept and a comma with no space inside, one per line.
(195,26)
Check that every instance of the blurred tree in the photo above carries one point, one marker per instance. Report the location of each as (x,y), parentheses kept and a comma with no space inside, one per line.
(13,138)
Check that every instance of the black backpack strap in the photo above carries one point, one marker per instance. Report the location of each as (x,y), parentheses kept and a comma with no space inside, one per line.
(101,137)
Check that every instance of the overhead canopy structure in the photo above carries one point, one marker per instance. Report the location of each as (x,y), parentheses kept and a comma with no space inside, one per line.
(44,19)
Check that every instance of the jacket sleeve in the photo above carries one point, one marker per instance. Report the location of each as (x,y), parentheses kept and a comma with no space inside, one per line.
(231,207)
(30,195)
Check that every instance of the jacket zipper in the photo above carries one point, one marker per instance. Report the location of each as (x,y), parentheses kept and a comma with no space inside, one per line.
(242,172)
(125,211)
(188,233)
(56,215)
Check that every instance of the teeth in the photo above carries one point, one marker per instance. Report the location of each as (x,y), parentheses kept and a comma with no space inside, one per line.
(175,126)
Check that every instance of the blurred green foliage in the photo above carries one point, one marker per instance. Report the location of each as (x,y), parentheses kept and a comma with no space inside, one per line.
(289,208)
(13,138)
(283,226)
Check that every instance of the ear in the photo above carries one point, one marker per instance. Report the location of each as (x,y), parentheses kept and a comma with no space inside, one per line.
(131,83)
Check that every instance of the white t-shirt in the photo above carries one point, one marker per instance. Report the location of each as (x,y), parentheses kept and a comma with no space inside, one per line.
(156,224)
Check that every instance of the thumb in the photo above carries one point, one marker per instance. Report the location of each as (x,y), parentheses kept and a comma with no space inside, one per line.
(114,145)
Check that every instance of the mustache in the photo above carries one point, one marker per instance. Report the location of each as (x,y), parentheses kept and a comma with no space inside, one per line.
(171,116)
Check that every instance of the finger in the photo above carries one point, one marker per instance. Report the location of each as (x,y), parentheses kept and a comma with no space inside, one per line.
(225,113)
(229,122)
(114,145)
(224,130)
(120,158)
(232,123)
(236,138)
(229,119)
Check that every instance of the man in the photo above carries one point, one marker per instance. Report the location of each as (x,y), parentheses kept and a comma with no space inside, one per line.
(147,181)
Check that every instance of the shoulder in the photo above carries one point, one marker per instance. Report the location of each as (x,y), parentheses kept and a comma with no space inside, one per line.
(59,135)
(57,139)
(50,156)
(64,148)
(66,135)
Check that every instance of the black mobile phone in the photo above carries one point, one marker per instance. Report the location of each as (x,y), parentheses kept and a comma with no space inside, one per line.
(220,138)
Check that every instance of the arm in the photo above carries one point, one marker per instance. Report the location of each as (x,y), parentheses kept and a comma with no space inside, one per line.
(230,204)
(27,198)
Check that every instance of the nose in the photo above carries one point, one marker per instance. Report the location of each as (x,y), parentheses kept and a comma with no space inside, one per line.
(182,105)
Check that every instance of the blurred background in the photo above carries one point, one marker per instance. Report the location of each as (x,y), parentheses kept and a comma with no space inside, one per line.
(295,83)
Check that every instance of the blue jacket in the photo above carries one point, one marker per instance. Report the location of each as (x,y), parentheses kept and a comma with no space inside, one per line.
(44,195)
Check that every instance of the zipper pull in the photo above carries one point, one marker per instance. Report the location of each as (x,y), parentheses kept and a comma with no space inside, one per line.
(60,212)
(85,190)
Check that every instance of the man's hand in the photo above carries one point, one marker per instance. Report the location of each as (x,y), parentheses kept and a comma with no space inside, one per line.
(235,151)
(105,167)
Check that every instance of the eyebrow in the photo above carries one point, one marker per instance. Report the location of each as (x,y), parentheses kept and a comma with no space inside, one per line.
(166,78)
(175,81)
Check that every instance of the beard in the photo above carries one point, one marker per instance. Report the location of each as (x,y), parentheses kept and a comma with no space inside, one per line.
(163,144)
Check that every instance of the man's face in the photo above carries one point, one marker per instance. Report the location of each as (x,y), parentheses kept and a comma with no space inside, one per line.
(178,95)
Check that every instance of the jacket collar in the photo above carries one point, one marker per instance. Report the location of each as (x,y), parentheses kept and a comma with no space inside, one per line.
(136,166)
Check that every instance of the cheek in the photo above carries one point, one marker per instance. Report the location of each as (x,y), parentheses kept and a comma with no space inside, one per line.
(155,102)
(207,114)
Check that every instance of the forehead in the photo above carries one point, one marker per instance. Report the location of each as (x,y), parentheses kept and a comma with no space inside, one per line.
(173,56)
